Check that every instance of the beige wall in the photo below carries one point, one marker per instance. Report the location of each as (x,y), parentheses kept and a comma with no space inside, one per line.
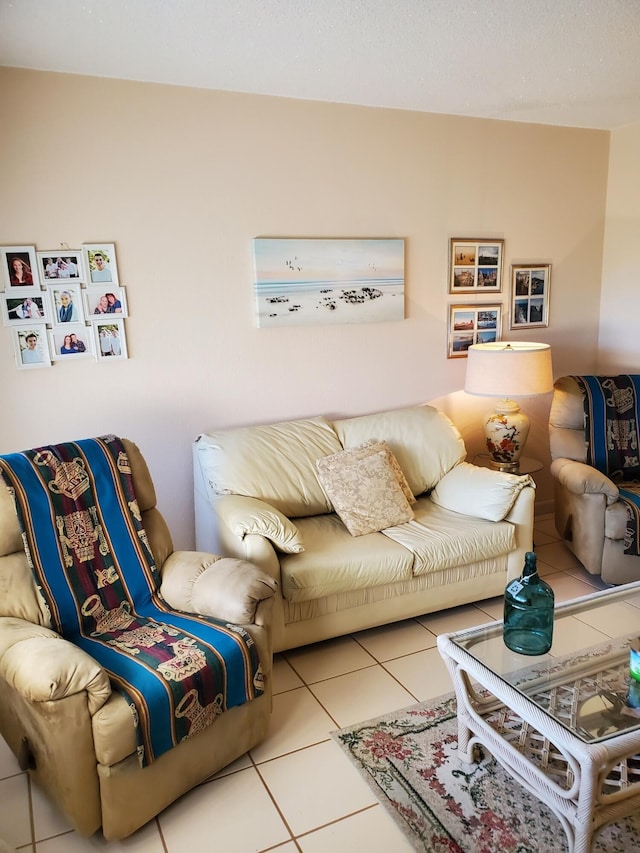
(619,343)
(182,180)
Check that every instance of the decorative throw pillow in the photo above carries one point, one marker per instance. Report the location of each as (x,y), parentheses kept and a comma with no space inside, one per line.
(362,484)
(374,446)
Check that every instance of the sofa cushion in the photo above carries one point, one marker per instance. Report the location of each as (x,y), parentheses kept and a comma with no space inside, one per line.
(484,493)
(363,485)
(275,463)
(441,539)
(335,562)
(424,441)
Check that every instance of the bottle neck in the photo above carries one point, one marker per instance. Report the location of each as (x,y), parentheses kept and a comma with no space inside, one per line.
(530,572)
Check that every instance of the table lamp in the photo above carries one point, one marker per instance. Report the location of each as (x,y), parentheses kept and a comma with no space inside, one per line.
(507,370)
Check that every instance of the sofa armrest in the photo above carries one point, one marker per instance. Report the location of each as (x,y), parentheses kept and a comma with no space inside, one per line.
(45,667)
(480,492)
(223,587)
(581,479)
(245,516)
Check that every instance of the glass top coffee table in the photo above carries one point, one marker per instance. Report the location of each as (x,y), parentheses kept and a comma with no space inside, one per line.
(566,724)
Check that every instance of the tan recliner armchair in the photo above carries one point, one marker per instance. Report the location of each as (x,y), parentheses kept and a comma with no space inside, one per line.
(58,712)
(588,513)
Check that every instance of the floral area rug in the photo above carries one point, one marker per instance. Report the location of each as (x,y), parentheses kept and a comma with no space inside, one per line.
(445,805)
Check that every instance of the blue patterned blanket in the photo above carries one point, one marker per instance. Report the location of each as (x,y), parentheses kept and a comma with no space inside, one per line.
(91,559)
(611,407)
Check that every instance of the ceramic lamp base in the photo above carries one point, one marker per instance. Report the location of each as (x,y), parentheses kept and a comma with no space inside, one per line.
(506,430)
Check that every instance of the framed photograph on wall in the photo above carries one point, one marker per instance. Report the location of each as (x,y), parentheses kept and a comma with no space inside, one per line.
(65,265)
(530,285)
(71,341)
(19,268)
(473,324)
(100,263)
(475,266)
(107,301)
(66,303)
(109,339)
(30,346)
(25,310)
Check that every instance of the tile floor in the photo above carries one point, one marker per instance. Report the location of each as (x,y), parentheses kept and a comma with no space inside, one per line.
(296,791)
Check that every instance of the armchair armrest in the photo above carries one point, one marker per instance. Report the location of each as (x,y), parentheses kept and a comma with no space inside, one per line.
(480,492)
(222,587)
(45,667)
(581,479)
(245,515)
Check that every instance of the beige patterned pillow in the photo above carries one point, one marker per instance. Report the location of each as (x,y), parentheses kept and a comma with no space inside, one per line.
(363,485)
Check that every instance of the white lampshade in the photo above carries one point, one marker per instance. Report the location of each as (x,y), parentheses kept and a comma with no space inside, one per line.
(513,369)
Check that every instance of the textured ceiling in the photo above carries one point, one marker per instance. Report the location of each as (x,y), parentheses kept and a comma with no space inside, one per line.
(564,62)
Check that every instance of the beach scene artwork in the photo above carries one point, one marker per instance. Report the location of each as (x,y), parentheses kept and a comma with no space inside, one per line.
(308,282)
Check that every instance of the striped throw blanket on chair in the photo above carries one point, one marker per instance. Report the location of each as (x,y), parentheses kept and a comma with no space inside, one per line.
(612,408)
(89,553)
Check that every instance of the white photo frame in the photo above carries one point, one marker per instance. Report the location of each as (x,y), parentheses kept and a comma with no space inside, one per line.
(100,264)
(25,309)
(19,268)
(30,354)
(109,339)
(63,347)
(60,265)
(102,302)
(66,303)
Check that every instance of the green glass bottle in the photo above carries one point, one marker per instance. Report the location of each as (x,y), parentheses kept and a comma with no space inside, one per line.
(528,611)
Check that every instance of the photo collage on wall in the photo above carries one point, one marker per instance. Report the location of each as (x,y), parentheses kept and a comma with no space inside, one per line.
(63,305)
(475,270)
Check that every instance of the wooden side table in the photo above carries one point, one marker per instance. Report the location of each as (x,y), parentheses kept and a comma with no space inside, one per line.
(528,465)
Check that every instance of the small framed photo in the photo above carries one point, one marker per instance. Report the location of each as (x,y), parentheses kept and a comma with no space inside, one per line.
(66,303)
(60,266)
(530,285)
(25,310)
(73,341)
(30,346)
(104,301)
(19,269)
(473,324)
(100,263)
(109,339)
(475,266)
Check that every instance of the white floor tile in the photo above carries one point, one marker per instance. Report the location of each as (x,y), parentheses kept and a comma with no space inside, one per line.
(570,635)
(558,555)
(328,659)
(493,607)
(393,641)
(15,825)
(424,674)
(566,587)
(8,762)
(145,840)
(454,619)
(315,786)
(234,814)
(546,525)
(298,720)
(284,678)
(371,830)
(614,619)
(47,820)
(361,695)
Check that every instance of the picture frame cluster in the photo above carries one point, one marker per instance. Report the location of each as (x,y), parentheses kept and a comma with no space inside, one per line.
(63,305)
(475,270)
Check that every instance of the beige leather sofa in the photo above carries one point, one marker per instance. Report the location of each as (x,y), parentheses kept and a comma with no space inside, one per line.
(57,709)
(588,514)
(258,497)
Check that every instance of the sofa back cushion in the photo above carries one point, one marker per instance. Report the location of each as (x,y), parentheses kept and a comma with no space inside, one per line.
(566,421)
(424,441)
(275,463)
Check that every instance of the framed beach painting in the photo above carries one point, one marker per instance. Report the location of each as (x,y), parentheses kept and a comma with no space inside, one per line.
(71,342)
(19,268)
(62,265)
(100,263)
(472,324)
(309,282)
(30,346)
(530,285)
(475,266)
